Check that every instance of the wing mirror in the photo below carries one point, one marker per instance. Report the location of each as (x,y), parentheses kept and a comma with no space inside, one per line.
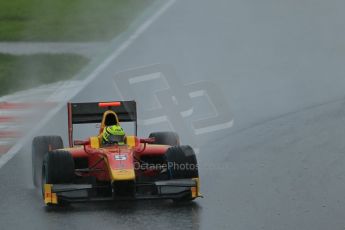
(80,142)
(148,140)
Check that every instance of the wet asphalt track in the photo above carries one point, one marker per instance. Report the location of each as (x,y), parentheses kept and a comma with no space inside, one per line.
(279,65)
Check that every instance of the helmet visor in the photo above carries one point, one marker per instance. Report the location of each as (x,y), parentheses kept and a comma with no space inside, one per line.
(115,139)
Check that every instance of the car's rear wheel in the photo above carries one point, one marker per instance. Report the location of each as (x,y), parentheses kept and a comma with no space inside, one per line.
(40,146)
(166,138)
(57,168)
(182,164)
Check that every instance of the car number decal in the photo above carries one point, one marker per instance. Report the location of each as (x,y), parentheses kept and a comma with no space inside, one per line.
(120,157)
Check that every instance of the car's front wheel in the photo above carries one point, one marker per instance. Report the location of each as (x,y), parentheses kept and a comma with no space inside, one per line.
(182,164)
(57,168)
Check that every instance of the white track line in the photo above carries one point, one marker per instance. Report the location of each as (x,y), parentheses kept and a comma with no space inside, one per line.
(16,148)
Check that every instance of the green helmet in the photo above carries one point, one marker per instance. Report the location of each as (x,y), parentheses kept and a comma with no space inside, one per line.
(113,135)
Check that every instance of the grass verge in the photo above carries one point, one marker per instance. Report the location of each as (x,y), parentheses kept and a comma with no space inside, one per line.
(66,20)
(27,71)
(57,21)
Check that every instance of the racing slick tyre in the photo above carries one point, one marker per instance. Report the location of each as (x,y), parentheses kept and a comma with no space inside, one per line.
(182,164)
(57,168)
(165,138)
(40,146)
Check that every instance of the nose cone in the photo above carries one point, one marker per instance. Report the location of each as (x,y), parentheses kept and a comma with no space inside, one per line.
(122,174)
(121,166)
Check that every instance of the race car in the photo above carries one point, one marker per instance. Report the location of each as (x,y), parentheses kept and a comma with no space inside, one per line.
(157,167)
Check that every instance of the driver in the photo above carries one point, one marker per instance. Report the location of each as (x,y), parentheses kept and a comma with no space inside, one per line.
(113,134)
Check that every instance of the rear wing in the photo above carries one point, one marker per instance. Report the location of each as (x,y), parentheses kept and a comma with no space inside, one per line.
(92,112)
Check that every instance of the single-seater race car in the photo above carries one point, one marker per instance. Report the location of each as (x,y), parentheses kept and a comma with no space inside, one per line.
(157,167)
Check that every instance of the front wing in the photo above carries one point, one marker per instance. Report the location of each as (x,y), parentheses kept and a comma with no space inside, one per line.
(167,189)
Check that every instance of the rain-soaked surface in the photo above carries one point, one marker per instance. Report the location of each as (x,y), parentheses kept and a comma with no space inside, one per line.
(256,87)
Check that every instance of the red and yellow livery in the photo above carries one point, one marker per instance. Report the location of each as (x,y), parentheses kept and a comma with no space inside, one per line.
(157,167)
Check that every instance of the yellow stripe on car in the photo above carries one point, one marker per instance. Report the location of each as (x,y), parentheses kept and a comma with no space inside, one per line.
(49,196)
(94,142)
(122,174)
(196,190)
(131,141)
